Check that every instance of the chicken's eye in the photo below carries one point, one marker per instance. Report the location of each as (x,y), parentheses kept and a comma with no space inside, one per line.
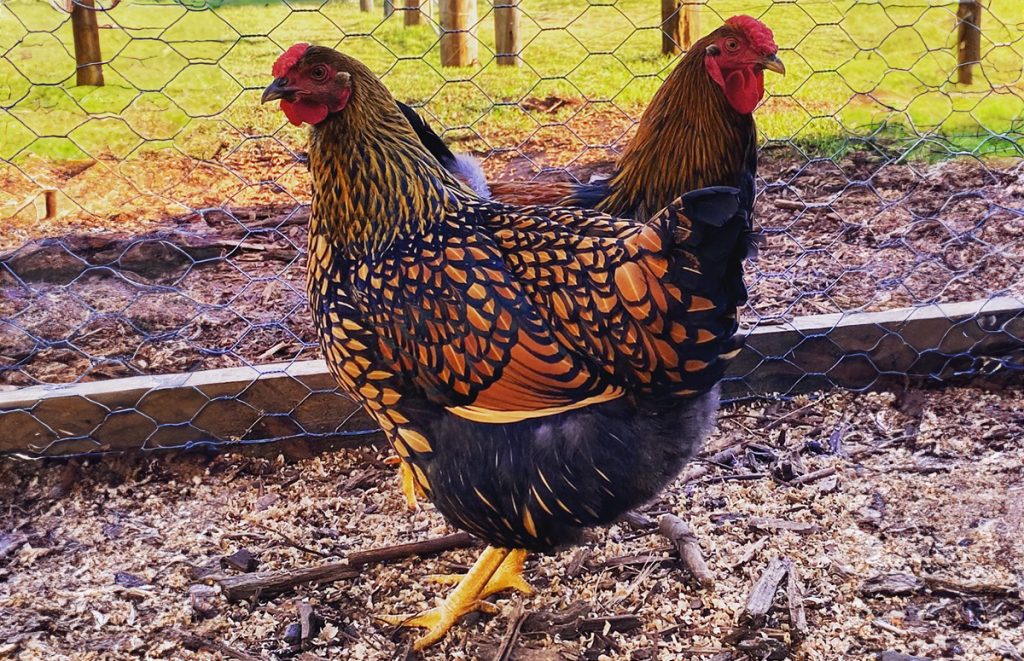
(319,72)
(731,44)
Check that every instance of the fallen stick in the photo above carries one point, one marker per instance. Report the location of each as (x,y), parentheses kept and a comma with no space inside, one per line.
(798,527)
(762,595)
(678,532)
(813,476)
(236,588)
(901,583)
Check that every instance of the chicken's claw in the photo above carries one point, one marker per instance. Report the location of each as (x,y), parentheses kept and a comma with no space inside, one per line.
(465,598)
(509,576)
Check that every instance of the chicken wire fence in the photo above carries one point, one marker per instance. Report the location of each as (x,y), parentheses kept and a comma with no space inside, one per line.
(151,254)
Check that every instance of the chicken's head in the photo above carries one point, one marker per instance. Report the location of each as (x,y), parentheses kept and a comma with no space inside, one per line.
(310,82)
(736,58)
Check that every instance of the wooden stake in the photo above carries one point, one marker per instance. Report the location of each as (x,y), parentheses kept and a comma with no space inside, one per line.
(416,11)
(458,44)
(968,18)
(50,199)
(88,70)
(691,23)
(671,34)
(365,5)
(507,42)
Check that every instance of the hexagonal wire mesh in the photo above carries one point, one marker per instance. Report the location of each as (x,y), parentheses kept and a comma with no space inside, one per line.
(154,225)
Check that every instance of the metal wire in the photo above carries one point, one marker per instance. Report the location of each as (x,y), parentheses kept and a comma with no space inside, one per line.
(154,225)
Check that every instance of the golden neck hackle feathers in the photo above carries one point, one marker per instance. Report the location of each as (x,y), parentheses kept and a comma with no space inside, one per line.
(690,124)
(373,180)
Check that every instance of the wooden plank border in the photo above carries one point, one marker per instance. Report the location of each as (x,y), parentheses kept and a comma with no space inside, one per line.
(860,351)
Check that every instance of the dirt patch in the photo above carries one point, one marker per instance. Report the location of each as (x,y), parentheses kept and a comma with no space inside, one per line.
(107,558)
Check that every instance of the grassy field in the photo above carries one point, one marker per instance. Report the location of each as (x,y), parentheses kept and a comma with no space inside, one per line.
(188,75)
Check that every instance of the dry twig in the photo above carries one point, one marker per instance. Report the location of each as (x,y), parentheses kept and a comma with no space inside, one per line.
(193,642)
(813,476)
(678,532)
(268,583)
(508,643)
(768,525)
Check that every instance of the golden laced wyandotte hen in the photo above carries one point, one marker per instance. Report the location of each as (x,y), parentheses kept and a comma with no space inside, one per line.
(697,131)
(540,369)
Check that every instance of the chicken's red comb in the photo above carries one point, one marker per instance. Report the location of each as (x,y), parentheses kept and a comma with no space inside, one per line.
(289,58)
(758,34)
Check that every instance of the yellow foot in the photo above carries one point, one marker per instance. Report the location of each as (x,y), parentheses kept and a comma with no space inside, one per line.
(509,576)
(438,620)
(410,487)
(465,598)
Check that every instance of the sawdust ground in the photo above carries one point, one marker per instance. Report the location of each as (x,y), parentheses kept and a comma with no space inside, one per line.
(96,560)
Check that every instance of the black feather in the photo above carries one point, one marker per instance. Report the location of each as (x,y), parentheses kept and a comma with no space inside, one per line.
(430,139)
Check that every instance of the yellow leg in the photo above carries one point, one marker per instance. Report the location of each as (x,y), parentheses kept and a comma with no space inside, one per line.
(509,576)
(465,598)
(410,487)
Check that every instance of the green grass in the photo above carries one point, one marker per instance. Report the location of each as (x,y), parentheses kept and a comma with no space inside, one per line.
(862,74)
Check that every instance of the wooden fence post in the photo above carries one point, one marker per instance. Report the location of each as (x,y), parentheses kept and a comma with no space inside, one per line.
(88,67)
(507,43)
(691,23)
(416,11)
(671,35)
(458,43)
(968,16)
(365,5)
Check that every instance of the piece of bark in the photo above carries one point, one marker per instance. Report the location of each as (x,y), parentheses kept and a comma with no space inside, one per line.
(578,560)
(197,643)
(901,583)
(795,601)
(126,580)
(204,601)
(749,551)
(637,520)
(768,524)
(894,584)
(885,626)
(243,560)
(609,624)
(305,622)
(10,543)
(259,584)
(762,594)
(678,532)
(515,625)
(565,623)
(893,655)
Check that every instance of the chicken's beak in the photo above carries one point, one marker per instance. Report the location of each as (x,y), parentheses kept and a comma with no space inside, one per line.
(278,90)
(773,63)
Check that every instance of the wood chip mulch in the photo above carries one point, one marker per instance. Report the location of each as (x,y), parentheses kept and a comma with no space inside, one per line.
(839,527)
